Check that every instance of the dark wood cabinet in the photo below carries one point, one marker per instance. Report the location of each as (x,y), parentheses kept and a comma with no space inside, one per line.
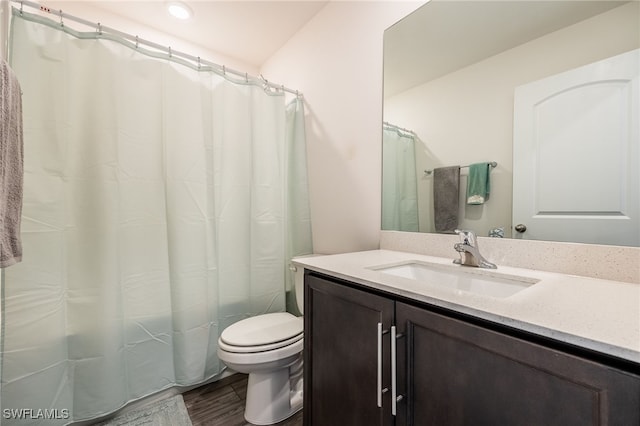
(448,370)
(462,374)
(341,348)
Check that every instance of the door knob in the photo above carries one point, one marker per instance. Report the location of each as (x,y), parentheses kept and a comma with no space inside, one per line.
(521,227)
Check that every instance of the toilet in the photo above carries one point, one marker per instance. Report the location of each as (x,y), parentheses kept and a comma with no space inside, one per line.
(268,348)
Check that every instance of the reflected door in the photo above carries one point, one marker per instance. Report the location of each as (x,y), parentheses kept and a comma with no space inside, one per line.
(576,155)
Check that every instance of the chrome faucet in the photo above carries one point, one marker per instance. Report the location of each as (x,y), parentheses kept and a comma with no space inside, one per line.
(469,251)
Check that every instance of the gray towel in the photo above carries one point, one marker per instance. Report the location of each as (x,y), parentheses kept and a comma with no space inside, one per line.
(446,190)
(11,160)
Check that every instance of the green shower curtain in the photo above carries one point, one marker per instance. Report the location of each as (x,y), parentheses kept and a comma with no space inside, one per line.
(399,184)
(162,203)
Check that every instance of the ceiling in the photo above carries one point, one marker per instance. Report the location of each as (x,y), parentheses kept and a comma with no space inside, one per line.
(250,31)
(460,33)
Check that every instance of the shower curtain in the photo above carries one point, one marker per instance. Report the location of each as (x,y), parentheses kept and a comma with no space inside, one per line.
(399,184)
(162,203)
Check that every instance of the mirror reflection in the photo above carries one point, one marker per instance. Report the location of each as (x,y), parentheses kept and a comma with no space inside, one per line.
(460,84)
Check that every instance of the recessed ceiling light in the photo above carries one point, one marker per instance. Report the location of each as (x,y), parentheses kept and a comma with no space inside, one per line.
(179,10)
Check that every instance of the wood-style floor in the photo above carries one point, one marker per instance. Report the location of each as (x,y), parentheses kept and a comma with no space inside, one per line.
(221,403)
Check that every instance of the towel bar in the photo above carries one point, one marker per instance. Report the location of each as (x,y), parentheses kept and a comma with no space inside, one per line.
(493,164)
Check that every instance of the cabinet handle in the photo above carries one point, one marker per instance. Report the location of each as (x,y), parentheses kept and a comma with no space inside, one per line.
(395,398)
(379,388)
(393,371)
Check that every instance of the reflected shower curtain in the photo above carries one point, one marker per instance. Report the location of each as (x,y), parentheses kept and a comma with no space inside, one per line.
(399,184)
(157,212)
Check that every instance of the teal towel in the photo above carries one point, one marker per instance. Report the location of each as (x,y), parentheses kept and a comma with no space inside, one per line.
(478,185)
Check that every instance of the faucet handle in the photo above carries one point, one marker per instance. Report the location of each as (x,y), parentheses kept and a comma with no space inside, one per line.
(466,236)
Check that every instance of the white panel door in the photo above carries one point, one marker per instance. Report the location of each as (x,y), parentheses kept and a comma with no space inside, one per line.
(576,156)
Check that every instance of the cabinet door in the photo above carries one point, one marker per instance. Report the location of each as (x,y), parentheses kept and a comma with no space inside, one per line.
(461,374)
(341,355)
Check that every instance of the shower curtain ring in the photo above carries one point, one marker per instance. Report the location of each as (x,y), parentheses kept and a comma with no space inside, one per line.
(224,70)
(61,22)
(265,82)
(199,64)
(137,42)
(21,6)
(170,54)
(99,29)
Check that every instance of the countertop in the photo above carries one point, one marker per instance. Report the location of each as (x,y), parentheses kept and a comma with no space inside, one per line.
(595,314)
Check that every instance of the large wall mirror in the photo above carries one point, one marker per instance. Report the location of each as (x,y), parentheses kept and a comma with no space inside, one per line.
(469,82)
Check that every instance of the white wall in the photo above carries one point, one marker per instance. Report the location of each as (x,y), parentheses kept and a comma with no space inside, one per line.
(467,116)
(336,61)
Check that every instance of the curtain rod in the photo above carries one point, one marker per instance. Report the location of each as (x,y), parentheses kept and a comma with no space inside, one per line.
(196,61)
(398,128)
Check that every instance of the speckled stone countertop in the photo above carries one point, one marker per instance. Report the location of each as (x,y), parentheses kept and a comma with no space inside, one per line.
(596,314)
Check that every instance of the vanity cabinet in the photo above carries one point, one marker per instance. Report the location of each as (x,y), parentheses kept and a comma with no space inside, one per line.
(449,370)
(341,348)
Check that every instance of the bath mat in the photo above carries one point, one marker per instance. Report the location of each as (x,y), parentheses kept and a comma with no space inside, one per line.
(166,412)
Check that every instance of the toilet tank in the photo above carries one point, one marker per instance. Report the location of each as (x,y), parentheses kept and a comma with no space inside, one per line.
(299,283)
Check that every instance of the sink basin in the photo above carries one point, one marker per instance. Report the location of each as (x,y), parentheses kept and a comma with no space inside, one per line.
(461,278)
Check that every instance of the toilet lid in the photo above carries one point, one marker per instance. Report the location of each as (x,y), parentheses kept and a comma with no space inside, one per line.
(263,330)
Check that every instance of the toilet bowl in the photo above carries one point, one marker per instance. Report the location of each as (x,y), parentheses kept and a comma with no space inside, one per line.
(268,348)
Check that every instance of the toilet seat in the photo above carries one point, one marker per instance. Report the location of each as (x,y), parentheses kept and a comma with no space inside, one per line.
(262,333)
(261,348)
